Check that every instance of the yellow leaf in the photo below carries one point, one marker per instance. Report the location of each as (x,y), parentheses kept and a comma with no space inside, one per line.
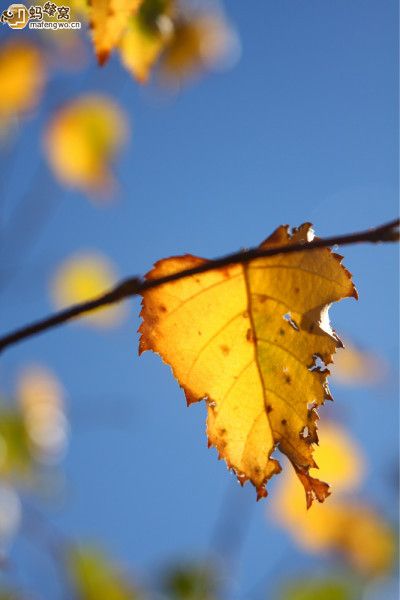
(339,460)
(352,528)
(22,77)
(84,277)
(109,18)
(82,140)
(199,42)
(140,48)
(248,338)
(79,7)
(367,539)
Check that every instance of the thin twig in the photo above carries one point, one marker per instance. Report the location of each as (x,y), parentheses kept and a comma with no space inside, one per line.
(389,232)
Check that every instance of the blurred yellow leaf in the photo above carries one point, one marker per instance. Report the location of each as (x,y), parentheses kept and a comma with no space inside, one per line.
(356,367)
(199,42)
(339,458)
(354,529)
(41,398)
(81,141)
(108,20)
(84,277)
(340,524)
(247,339)
(141,46)
(95,577)
(79,7)
(340,462)
(367,539)
(22,78)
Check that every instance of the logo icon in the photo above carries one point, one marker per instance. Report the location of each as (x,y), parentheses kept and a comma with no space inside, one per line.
(48,16)
(16,16)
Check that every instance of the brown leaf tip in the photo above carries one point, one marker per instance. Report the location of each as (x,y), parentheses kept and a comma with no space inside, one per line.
(242,478)
(102,57)
(261,492)
(314,488)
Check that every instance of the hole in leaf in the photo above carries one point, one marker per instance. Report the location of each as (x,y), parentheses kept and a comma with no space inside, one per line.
(318,364)
(288,318)
(304,433)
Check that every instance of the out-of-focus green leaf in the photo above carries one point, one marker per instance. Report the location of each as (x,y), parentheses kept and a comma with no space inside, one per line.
(15,457)
(193,582)
(323,589)
(95,577)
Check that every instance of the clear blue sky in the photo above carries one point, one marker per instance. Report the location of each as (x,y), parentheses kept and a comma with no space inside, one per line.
(303,128)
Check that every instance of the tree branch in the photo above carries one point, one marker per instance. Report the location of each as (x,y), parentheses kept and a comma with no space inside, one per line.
(389,232)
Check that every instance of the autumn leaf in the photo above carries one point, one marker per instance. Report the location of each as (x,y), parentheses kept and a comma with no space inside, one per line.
(83,277)
(341,461)
(146,36)
(22,78)
(139,51)
(108,19)
(184,42)
(82,140)
(345,525)
(249,339)
(199,42)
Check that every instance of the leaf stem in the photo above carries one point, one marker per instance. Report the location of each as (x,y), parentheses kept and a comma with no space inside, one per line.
(388,232)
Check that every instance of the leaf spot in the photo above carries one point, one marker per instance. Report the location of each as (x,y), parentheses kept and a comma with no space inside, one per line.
(250,336)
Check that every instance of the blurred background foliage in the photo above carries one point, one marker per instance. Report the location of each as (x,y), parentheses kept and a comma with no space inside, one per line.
(81,136)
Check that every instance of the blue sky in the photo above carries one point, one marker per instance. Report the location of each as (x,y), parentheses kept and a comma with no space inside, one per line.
(303,128)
